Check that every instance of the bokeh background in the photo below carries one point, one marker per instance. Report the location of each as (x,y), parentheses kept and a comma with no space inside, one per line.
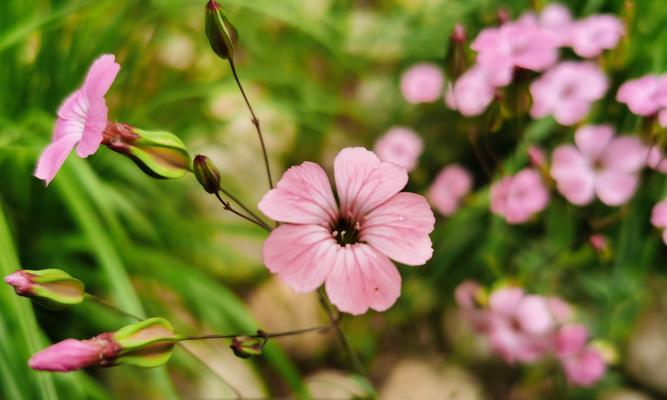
(322,75)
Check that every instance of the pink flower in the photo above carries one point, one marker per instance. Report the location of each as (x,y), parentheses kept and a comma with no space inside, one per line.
(472,93)
(21,282)
(644,96)
(515,45)
(401,146)
(593,35)
(517,198)
(556,18)
(422,83)
(560,310)
(450,185)
(71,354)
(347,245)
(81,119)
(659,218)
(570,340)
(600,164)
(466,298)
(585,368)
(567,91)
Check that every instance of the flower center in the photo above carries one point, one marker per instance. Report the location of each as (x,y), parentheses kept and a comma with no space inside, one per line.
(346,231)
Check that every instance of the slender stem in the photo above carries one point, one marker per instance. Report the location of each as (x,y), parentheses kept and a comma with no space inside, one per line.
(335,321)
(243,206)
(111,306)
(264,335)
(255,122)
(229,207)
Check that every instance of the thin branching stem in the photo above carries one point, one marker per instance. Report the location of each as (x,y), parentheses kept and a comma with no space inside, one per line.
(243,206)
(229,208)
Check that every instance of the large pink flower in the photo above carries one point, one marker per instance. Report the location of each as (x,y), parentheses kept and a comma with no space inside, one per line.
(347,245)
(81,119)
(567,91)
(592,35)
(600,164)
(401,146)
(449,187)
(422,83)
(517,198)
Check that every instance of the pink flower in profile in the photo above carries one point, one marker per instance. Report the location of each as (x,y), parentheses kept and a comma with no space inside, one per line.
(450,185)
(472,93)
(71,354)
(81,119)
(599,165)
(347,245)
(659,218)
(644,96)
(422,83)
(567,91)
(517,198)
(592,35)
(515,45)
(401,146)
(584,368)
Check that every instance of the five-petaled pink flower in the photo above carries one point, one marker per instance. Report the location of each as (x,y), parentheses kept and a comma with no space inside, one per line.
(515,45)
(567,91)
(450,185)
(644,96)
(401,146)
(347,245)
(422,83)
(600,164)
(659,218)
(81,119)
(592,35)
(72,354)
(517,198)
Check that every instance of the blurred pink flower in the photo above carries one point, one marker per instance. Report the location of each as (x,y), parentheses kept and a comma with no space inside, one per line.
(600,164)
(567,91)
(584,368)
(70,354)
(644,96)
(466,298)
(662,117)
(401,146)
(570,340)
(560,309)
(348,246)
(659,218)
(517,198)
(450,185)
(472,93)
(521,44)
(592,35)
(81,119)
(422,83)
(556,18)
(656,160)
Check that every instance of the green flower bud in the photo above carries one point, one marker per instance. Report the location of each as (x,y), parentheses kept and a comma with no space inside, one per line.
(221,34)
(145,344)
(51,288)
(159,154)
(247,346)
(207,173)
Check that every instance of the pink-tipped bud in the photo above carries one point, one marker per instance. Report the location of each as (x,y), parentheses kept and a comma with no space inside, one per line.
(457,60)
(72,354)
(458,34)
(537,157)
(21,282)
(600,244)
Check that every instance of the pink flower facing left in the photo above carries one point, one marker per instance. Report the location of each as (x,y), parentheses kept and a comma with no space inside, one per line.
(422,83)
(72,354)
(567,91)
(517,198)
(81,119)
(401,146)
(599,165)
(347,245)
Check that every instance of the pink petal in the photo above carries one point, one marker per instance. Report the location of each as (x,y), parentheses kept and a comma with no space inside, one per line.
(451,183)
(570,340)
(615,187)
(96,121)
(662,118)
(363,278)
(569,112)
(301,255)
(586,368)
(72,116)
(504,301)
(534,316)
(592,140)
(560,309)
(659,215)
(422,83)
(363,182)
(625,153)
(574,177)
(401,146)
(68,355)
(100,76)
(302,196)
(465,293)
(400,229)
(53,157)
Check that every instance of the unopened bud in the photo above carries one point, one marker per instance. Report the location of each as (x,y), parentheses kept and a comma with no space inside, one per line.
(601,246)
(159,154)
(457,60)
(51,288)
(247,346)
(207,173)
(221,34)
(71,354)
(145,344)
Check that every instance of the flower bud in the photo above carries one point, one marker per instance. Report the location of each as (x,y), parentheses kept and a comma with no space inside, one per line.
(457,60)
(159,154)
(247,346)
(207,173)
(145,344)
(51,288)
(221,34)
(71,354)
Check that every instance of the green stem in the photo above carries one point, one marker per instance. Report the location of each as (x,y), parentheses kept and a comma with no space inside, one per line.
(243,206)
(229,208)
